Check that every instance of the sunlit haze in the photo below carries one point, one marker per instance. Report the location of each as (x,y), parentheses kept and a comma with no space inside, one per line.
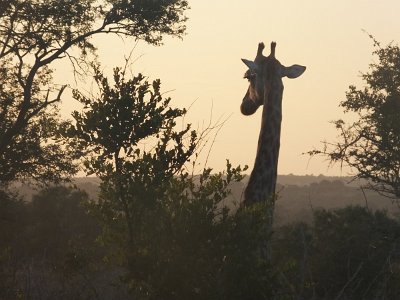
(204,70)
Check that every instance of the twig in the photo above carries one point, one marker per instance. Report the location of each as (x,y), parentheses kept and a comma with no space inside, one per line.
(365,198)
(349,281)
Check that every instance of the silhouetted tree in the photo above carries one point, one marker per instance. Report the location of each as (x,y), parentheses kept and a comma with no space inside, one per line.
(108,133)
(371,144)
(34,34)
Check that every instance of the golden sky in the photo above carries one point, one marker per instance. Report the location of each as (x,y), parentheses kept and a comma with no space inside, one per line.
(205,67)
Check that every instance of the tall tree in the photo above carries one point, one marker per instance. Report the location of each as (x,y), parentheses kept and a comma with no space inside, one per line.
(371,144)
(34,34)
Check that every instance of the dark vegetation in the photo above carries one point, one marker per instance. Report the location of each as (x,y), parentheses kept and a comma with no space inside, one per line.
(59,245)
(146,228)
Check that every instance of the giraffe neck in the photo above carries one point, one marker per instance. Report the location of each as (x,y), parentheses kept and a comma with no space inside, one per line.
(262,182)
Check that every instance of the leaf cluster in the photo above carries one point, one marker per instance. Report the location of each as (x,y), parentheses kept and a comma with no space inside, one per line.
(111,129)
(136,17)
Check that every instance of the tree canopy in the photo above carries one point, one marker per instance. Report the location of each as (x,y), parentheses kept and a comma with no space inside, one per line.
(35,33)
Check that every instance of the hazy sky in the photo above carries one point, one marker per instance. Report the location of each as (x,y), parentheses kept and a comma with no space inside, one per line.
(205,67)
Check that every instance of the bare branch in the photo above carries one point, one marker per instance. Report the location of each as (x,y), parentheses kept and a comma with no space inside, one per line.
(47,102)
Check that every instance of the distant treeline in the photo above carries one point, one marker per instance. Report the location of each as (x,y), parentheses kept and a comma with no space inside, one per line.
(298,195)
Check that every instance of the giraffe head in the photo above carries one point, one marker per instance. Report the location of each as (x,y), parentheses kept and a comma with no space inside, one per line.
(263,72)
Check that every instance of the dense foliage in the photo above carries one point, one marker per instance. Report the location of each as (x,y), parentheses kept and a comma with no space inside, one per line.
(348,253)
(182,251)
(43,254)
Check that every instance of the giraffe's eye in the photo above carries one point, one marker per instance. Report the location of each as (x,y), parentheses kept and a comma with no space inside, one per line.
(250,75)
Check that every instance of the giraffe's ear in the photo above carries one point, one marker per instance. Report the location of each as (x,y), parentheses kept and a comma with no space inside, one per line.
(250,64)
(293,71)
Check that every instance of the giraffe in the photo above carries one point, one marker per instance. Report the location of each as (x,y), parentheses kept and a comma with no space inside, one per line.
(266,88)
